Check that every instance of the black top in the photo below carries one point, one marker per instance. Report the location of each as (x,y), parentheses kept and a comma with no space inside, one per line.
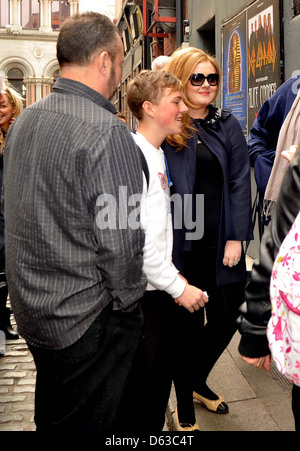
(209,181)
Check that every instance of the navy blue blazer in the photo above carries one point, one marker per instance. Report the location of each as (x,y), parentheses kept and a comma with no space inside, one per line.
(263,136)
(224,137)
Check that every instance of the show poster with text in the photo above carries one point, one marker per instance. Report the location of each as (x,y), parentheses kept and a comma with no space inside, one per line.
(263,29)
(235,68)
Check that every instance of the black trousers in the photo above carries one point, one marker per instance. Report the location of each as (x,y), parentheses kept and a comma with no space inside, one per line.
(149,383)
(209,339)
(79,388)
(296,406)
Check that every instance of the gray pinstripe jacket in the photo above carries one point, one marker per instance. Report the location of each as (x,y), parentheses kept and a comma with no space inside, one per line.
(62,269)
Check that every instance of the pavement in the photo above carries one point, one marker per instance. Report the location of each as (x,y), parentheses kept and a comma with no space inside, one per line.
(258,401)
(17,387)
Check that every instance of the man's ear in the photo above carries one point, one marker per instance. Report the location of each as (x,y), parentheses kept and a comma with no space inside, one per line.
(104,62)
(148,108)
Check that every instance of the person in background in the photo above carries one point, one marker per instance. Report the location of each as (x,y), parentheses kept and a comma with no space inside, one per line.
(256,311)
(210,158)
(288,136)
(155,98)
(74,271)
(160,62)
(11,106)
(283,191)
(263,137)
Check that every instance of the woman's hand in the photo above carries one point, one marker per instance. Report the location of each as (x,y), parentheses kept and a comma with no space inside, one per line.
(288,154)
(232,253)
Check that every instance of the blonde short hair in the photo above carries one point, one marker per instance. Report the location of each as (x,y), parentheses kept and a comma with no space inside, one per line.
(148,86)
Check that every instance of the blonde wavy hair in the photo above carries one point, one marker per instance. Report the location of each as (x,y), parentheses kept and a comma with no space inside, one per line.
(17,101)
(182,64)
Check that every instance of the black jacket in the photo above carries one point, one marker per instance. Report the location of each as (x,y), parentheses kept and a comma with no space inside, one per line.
(256,311)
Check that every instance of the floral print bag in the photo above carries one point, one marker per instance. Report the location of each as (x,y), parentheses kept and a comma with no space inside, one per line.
(284,326)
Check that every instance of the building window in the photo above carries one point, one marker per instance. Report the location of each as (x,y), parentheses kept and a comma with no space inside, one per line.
(30,14)
(15,78)
(296,7)
(60,12)
(4,8)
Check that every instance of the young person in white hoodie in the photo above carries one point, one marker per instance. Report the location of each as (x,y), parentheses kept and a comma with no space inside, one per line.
(156,100)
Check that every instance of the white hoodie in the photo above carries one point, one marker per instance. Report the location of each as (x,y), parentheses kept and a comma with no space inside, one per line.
(156,220)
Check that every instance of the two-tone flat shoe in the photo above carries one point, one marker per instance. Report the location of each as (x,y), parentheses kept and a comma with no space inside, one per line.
(184,427)
(217,406)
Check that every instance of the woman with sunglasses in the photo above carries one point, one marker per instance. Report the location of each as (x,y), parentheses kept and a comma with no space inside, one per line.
(210,157)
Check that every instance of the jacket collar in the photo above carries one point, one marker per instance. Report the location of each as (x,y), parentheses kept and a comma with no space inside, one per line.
(67,85)
(212,119)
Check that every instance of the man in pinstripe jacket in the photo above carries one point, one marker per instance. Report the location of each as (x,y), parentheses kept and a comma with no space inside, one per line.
(75,284)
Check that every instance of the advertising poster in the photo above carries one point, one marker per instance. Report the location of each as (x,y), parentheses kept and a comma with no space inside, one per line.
(235,68)
(263,24)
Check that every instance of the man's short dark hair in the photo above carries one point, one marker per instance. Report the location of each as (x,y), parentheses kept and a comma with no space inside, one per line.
(84,35)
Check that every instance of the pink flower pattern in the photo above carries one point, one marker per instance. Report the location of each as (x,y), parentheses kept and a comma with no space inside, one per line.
(284,326)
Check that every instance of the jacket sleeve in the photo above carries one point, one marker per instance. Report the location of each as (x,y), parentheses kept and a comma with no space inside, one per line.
(256,311)
(263,135)
(239,185)
(160,274)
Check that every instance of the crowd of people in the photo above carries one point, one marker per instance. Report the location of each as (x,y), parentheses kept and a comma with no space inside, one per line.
(120,277)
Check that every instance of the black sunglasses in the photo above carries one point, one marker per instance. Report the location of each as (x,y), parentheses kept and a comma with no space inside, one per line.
(198,79)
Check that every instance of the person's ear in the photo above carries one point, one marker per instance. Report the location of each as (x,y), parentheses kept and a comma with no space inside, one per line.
(148,108)
(104,63)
